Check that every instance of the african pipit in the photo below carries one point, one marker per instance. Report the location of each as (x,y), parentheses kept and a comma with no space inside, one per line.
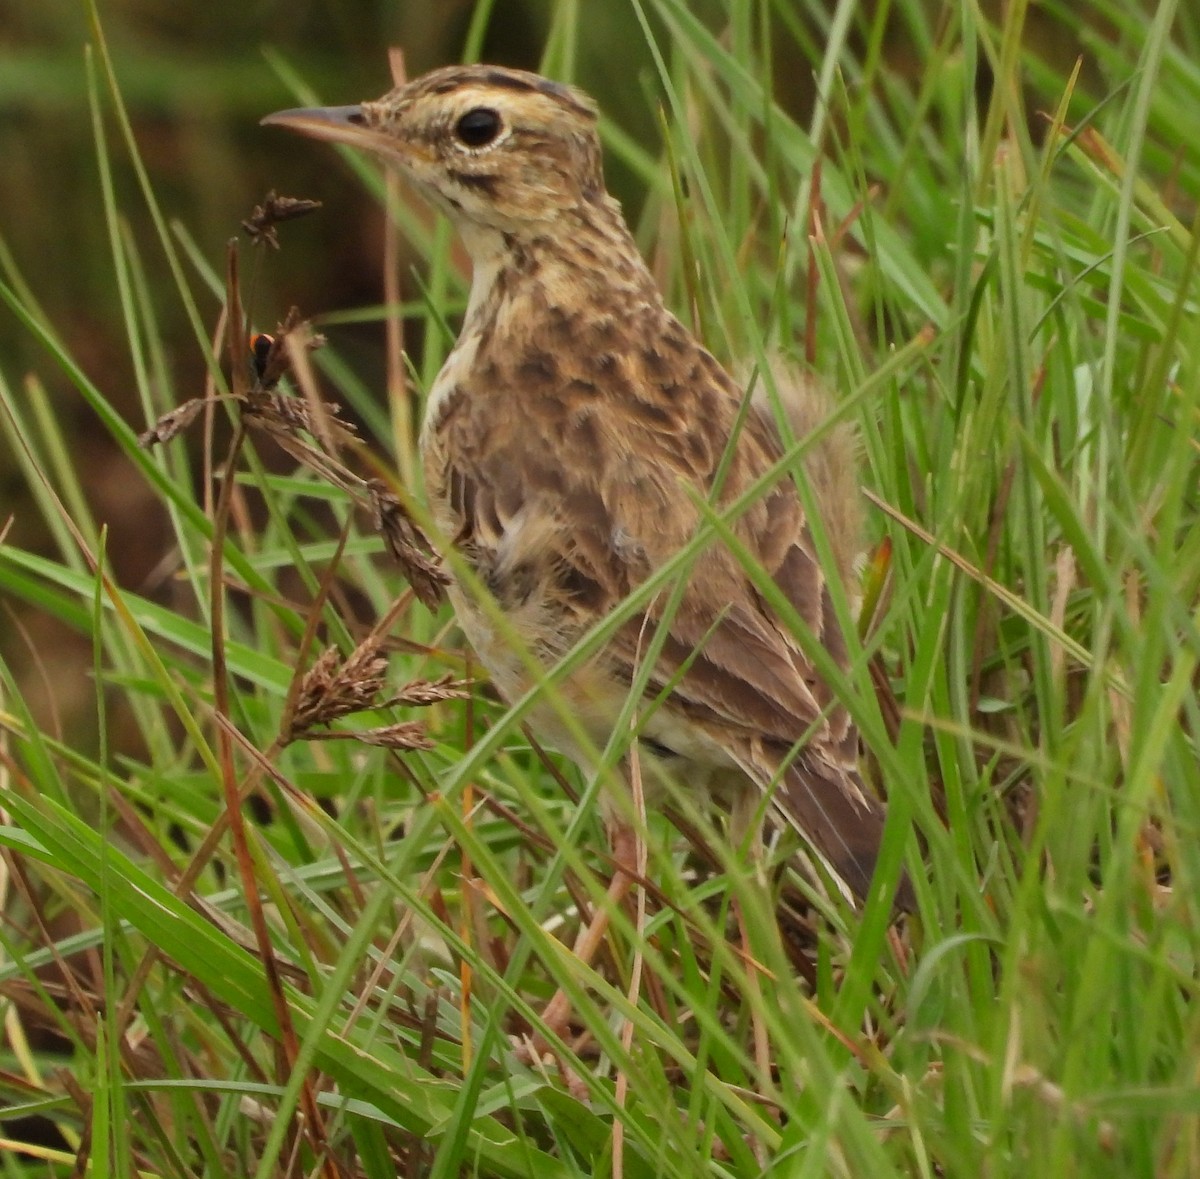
(569,443)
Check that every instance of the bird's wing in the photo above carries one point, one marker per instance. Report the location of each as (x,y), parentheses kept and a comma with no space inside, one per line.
(741,676)
(572,516)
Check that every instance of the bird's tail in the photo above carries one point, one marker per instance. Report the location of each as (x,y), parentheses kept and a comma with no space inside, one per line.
(841,820)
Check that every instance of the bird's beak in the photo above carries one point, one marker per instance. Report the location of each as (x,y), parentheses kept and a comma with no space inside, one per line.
(338,124)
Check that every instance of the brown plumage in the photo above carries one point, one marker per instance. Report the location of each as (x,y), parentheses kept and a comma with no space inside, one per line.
(567,437)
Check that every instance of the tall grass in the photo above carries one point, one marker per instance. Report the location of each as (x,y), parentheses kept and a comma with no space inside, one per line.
(234,949)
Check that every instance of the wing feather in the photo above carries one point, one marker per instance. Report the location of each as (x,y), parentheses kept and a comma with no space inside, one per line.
(575,521)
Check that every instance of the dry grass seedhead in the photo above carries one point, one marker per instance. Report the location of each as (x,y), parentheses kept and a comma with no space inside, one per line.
(408,545)
(310,431)
(274,210)
(332,689)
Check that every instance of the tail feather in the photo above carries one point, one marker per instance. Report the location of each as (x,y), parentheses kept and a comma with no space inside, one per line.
(842,820)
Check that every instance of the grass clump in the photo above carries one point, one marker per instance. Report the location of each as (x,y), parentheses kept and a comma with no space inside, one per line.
(278,906)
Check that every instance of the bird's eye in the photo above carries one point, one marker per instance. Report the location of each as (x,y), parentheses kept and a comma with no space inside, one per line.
(478,127)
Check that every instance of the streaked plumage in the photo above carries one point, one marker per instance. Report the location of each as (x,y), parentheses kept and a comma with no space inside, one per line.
(567,436)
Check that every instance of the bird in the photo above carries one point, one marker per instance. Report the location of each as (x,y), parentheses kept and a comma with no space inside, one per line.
(576,440)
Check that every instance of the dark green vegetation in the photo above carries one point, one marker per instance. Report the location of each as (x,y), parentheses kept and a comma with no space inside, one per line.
(994,266)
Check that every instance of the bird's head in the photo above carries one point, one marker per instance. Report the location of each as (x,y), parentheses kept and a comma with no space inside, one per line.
(495,148)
